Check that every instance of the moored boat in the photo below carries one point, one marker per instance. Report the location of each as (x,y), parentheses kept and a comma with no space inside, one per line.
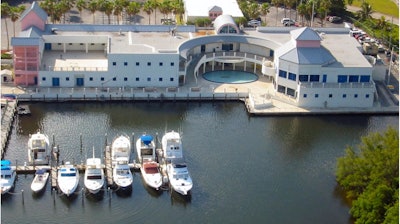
(39,181)
(38,148)
(67,179)
(179,177)
(94,175)
(146,148)
(171,145)
(151,174)
(121,149)
(122,175)
(8,176)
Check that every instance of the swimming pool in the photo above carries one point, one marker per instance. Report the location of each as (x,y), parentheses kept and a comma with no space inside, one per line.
(234,77)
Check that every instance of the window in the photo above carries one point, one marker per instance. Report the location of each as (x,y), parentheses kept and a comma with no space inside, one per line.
(59,44)
(148,63)
(137,79)
(364,78)
(342,78)
(316,95)
(43,78)
(114,63)
(125,63)
(148,79)
(353,78)
(172,63)
(125,79)
(282,73)
(160,79)
(66,78)
(227,47)
(137,63)
(304,95)
(314,78)
(355,95)
(161,64)
(171,79)
(115,79)
(303,78)
(90,78)
(70,44)
(344,95)
(290,92)
(102,79)
(292,76)
(81,44)
(330,95)
(367,96)
(281,89)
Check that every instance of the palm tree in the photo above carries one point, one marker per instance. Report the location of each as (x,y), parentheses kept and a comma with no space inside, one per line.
(276,4)
(119,6)
(92,7)
(5,12)
(49,6)
(302,10)
(323,10)
(133,9)
(108,9)
(80,5)
(178,9)
(253,11)
(165,8)
(148,9)
(264,11)
(366,11)
(154,4)
(15,14)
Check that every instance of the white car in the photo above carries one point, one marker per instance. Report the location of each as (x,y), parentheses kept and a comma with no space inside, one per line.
(254,23)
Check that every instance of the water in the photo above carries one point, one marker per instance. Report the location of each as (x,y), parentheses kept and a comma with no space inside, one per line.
(235,77)
(245,169)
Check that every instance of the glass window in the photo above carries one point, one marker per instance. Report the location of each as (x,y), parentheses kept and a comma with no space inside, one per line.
(115,79)
(304,95)
(316,95)
(160,79)
(314,78)
(344,95)
(43,78)
(102,79)
(282,73)
(172,63)
(367,96)
(292,76)
(161,64)
(137,78)
(290,92)
(114,63)
(281,89)
(364,78)
(66,78)
(171,79)
(355,95)
(137,63)
(353,78)
(330,95)
(125,63)
(342,78)
(303,78)
(148,63)
(148,79)
(126,79)
(90,78)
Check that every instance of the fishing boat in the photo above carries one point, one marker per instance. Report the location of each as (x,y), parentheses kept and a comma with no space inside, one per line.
(122,175)
(38,149)
(151,174)
(146,149)
(8,176)
(172,145)
(179,177)
(68,178)
(39,181)
(94,175)
(121,149)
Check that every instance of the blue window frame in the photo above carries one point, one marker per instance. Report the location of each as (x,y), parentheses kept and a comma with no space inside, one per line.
(314,78)
(365,78)
(342,78)
(324,76)
(303,78)
(292,76)
(282,74)
(353,78)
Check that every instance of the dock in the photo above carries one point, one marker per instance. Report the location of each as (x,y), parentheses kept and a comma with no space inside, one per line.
(8,109)
(108,166)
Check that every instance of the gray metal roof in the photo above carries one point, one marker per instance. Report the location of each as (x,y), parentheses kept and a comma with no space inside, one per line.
(309,56)
(25,41)
(37,10)
(31,32)
(305,33)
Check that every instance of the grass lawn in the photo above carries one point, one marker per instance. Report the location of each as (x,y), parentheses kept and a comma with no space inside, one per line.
(387,7)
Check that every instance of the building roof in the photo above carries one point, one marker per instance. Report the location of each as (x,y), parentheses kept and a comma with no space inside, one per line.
(309,56)
(224,20)
(201,8)
(26,41)
(31,32)
(37,10)
(305,33)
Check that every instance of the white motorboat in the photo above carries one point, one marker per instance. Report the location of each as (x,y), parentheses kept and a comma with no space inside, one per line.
(40,180)
(38,149)
(151,174)
(179,177)
(8,176)
(94,175)
(122,175)
(172,145)
(121,149)
(146,149)
(68,178)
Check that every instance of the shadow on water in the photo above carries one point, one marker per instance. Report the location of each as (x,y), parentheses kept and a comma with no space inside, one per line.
(94,197)
(124,192)
(178,199)
(69,200)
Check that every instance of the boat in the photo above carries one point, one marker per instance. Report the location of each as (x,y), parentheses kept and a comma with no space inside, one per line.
(94,175)
(39,181)
(151,174)
(172,145)
(122,175)
(8,176)
(179,177)
(146,149)
(121,149)
(38,149)
(67,178)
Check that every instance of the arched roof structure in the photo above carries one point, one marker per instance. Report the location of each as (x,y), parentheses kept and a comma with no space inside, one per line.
(225,24)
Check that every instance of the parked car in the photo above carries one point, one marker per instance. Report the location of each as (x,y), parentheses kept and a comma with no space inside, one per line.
(254,22)
(335,19)
(284,20)
(290,23)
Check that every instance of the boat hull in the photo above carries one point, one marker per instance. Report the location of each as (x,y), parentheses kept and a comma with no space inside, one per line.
(151,175)
(39,182)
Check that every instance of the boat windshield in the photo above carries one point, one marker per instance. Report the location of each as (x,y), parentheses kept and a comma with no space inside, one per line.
(68,174)
(122,172)
(94,177)
(147,151)
(181,176)
(38,143)
(151,170)
(7,176)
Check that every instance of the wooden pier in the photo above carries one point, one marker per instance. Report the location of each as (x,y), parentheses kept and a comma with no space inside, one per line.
(8,109)
(108,166)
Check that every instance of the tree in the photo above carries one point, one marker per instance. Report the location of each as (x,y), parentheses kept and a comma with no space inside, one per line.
(80,5)
(92,7)
(264,10)
(276,4)
(370,177)
(5,12)
(119,6)
(178,9)
(154,5)
(148,9)
(15,13)
(133,9)
(108,9)
(366,11)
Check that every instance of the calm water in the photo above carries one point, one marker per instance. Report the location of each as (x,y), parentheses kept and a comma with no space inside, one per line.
(245,169)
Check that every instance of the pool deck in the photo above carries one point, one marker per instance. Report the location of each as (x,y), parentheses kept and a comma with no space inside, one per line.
(259,97)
